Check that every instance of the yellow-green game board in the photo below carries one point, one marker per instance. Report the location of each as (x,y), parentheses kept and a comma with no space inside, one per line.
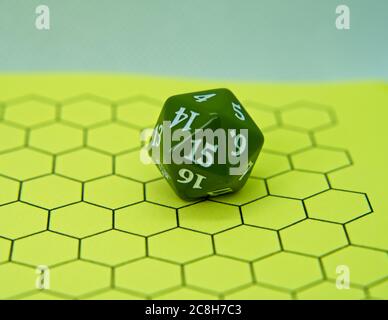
(74,196)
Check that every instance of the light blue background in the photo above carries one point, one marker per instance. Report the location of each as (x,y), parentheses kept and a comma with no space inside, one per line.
(266,40)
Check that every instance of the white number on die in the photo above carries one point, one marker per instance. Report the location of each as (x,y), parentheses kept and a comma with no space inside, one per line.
(204,97)
(240,143)
(182,116)
(249,166)
(156,136)
(188,176)
(239,114)
(207,152)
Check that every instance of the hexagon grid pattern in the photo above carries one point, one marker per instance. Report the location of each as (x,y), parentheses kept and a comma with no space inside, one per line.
(76,198)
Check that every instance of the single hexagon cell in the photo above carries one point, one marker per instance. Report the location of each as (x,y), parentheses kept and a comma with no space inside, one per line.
(86,112)
(254,189)
(15,137)
(273,212)
(369,231)
(306,116)
(270,164)
(113,192)
(379,290)
(51,191)
(79,278)
(210,217)
(338,206)
(9,190)
(25,164)
(5,249)
(246,242)
(218,274)
(255,292)
(297,184)
(113,247)
(263,118)
(186,294)
(46,248)
(30,112)
(113,138)
(75,220)
(84,164)
(313,237)
(145,218)
(321,159)
(180,245)
(56,138)
(138,113)
(20,219)
(148,276)
(287,270)
(131,165)
(286,141)
(160,192)
(329,291)
(16,279)
(364,266)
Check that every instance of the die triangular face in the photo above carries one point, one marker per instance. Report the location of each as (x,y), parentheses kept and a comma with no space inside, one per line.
(245,134)
(186,112)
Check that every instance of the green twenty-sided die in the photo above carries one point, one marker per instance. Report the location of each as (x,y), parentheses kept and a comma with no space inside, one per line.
(205,143)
